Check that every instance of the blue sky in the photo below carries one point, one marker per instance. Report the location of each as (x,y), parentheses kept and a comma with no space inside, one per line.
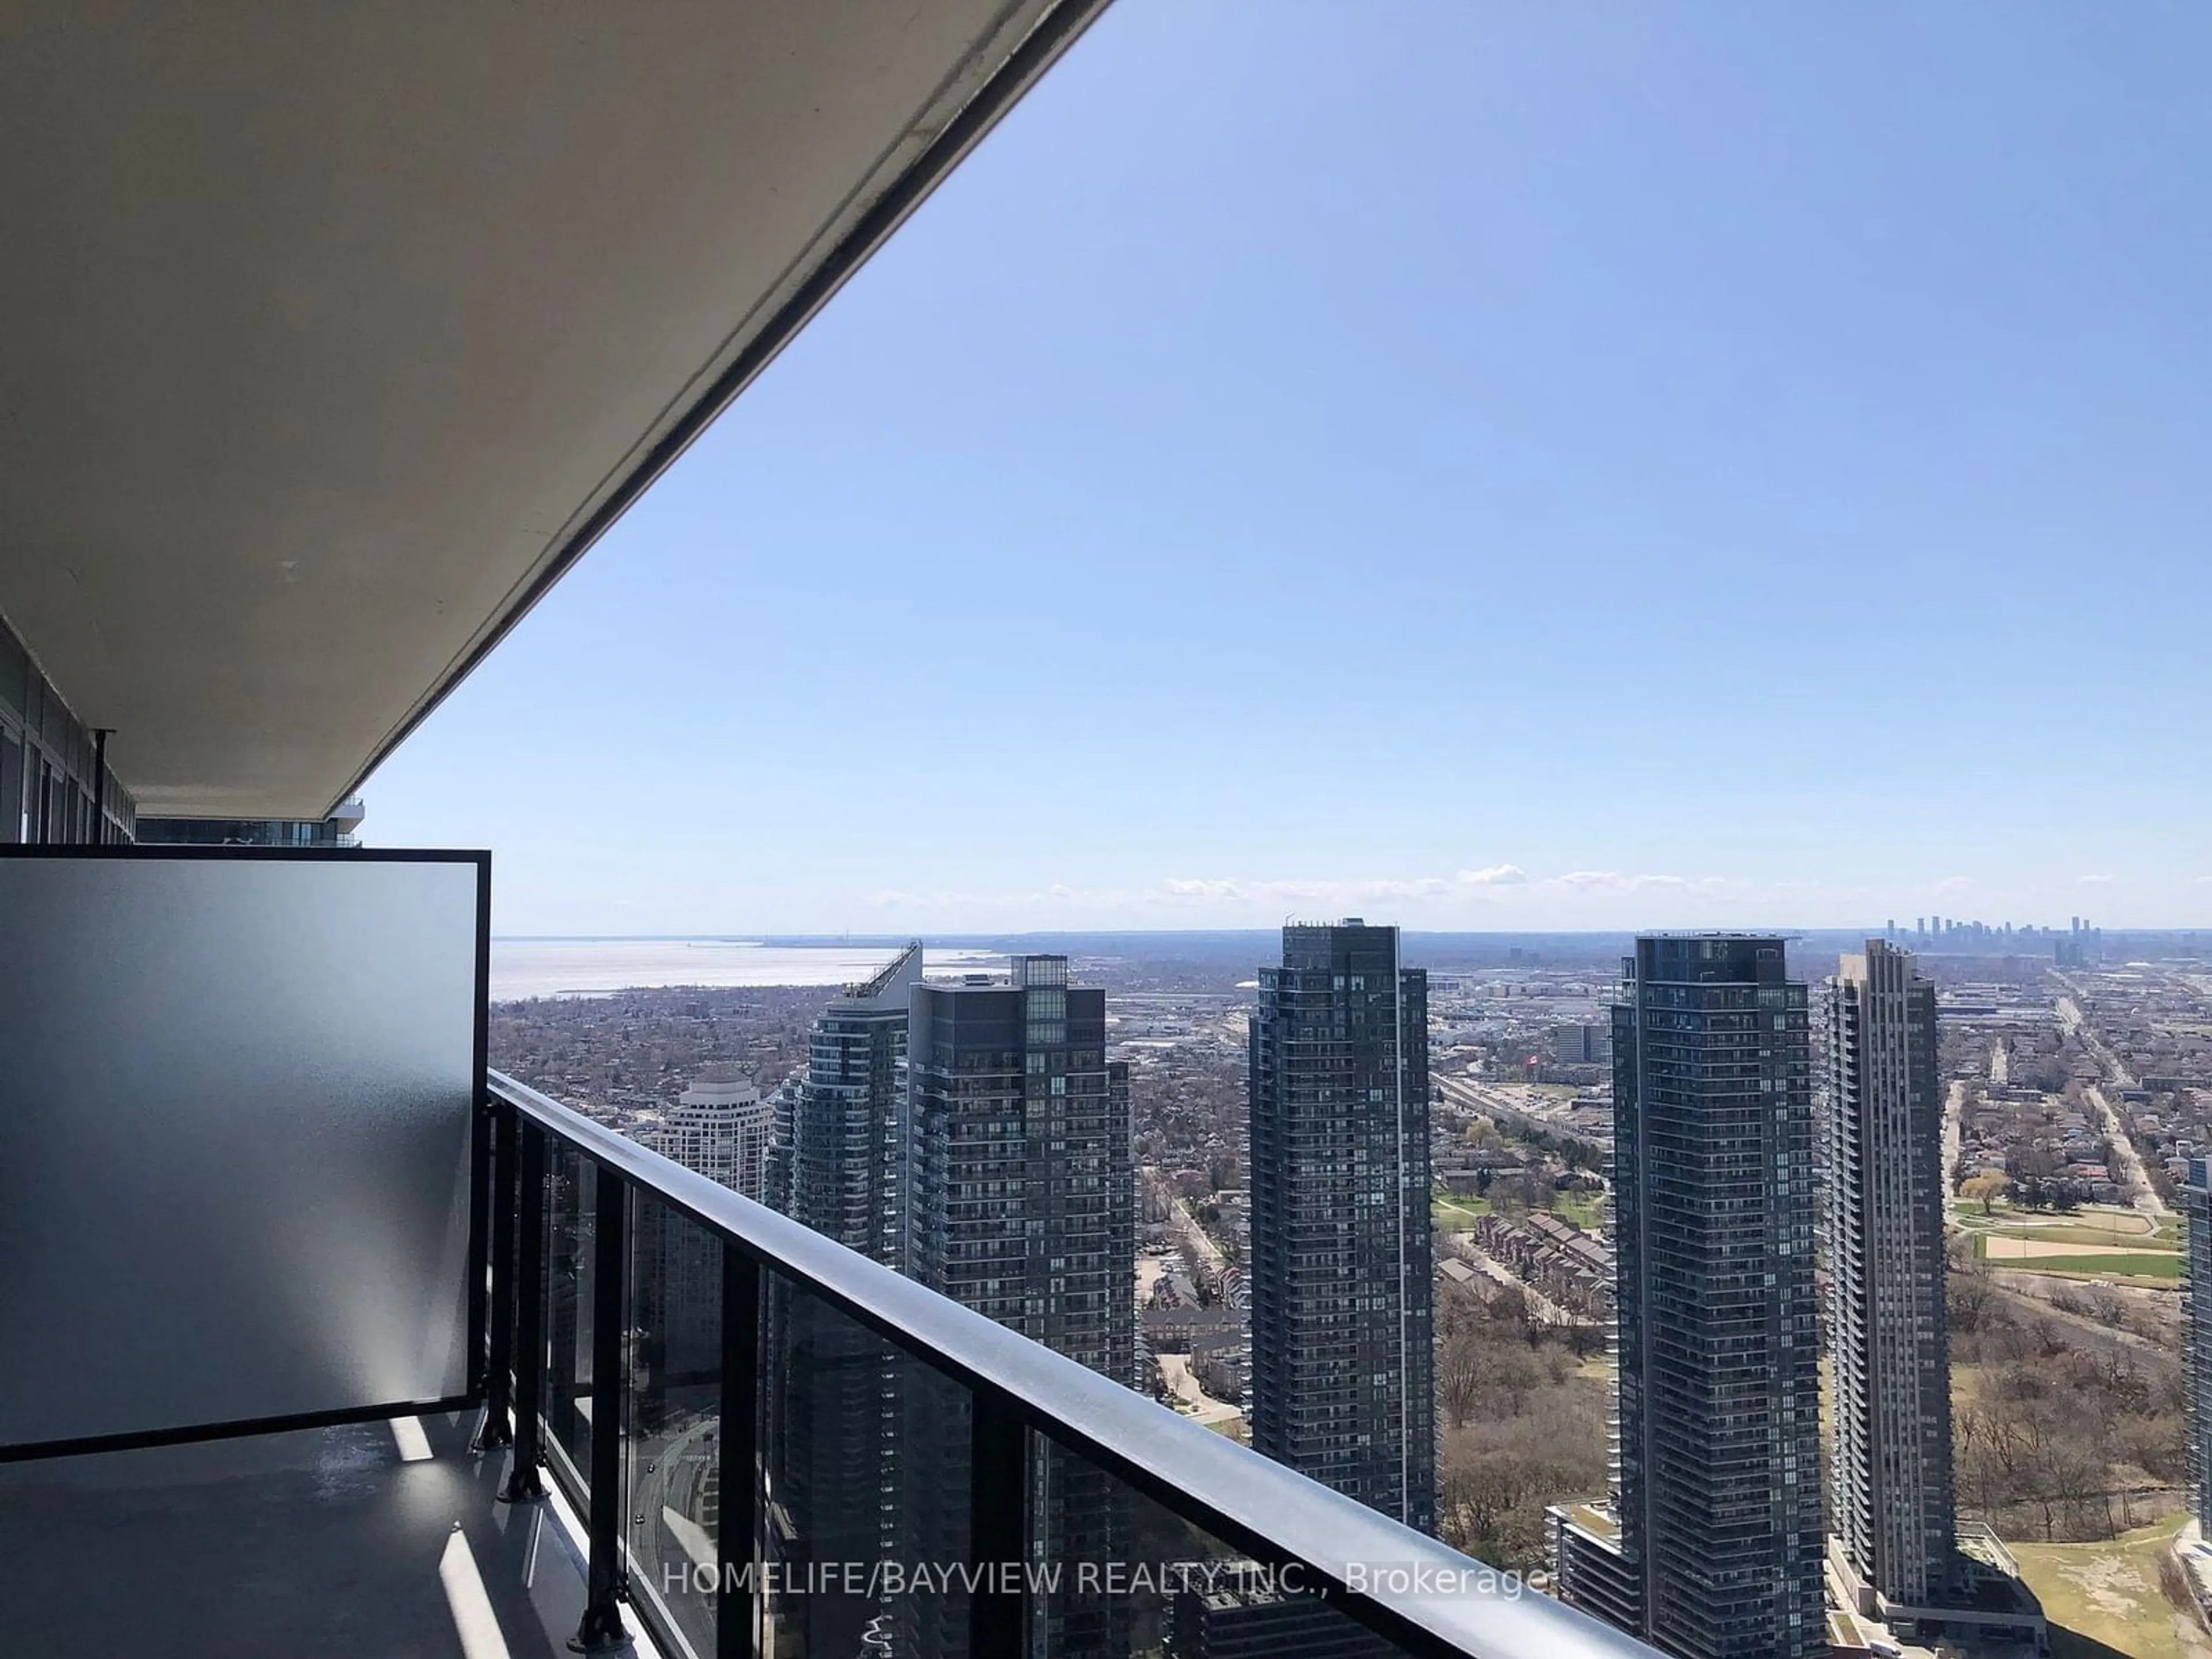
(1477,465)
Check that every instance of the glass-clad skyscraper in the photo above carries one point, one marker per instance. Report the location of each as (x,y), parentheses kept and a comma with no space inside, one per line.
(1343,1294)
(2196,1207)
(1022,1207)
(835,1409)
(839,1163)
(1891,1490)
(1720,1519)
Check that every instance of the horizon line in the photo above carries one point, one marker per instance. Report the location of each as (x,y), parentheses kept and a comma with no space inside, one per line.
(955,938)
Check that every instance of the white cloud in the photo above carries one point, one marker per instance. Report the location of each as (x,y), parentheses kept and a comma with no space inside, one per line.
(1199,887)
(1494,875)
(890,898)
(2096,881)
(1612,881)
(1347,890)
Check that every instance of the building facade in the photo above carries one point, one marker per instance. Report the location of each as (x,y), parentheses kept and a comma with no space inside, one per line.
(1582,1546)
(2196,1204)
(338,829)
(1890,1491)
(1020,1161)
(720,1126)
(1719,1516)
(1343,1283)
(839,1164)
(1582,1043)
(56,786)
(835,1405)
(1233,1621)
(1022,1205)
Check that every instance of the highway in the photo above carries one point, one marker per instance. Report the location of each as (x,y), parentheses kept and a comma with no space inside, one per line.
(1495,1103)
(668,1493)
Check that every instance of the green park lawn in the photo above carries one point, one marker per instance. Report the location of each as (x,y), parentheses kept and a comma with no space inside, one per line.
(1457,1214)
(1589,1211)
(2166,1265)
(2076,1233)
(1584,1210)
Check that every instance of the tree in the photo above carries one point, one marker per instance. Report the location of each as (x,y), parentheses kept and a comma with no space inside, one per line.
(1986,1188)
(1969,1295)
(1459,1380)
(2106,1308)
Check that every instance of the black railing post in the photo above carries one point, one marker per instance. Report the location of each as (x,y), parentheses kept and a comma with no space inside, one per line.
(523,1484)
(739,1610)
(601,1631)
(998,1530)
(499,1383)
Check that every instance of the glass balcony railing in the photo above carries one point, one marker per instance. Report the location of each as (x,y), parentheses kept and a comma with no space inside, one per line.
(279,1243)
(778,1446)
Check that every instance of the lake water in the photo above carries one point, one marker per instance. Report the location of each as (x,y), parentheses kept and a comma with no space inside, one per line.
(583,966)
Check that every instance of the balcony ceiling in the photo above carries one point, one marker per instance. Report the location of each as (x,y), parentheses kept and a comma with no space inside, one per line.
(336,333)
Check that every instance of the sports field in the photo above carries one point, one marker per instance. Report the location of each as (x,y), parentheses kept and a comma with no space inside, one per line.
(2165,1268)
(2010,1247)
(2097,1241)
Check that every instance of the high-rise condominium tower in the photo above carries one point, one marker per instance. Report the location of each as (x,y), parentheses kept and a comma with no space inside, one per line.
(841,1149)
(1891,1487)
(1720,1522)
(1023,1196)
(833,1402)
(720,1126)
(2197,1205)
(1343,1294)
(1022,1207)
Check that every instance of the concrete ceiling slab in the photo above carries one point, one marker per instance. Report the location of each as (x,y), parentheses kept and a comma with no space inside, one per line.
(334,333)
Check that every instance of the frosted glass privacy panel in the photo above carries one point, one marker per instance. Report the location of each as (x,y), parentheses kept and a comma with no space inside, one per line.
(235,1099)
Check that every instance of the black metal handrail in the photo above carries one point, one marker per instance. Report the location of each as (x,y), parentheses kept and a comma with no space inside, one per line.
(1415,1591)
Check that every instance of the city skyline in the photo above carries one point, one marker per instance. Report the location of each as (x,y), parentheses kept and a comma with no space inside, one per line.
(1706,1194)
(1970,930)
(1471,901)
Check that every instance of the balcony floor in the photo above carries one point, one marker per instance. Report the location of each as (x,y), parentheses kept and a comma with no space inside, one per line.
(322,1541)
